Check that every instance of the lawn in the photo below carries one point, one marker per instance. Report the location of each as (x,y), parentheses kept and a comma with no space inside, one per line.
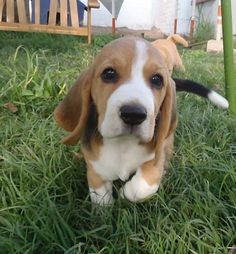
(44,203)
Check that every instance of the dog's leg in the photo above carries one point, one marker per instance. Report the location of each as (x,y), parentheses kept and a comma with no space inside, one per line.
(145,182)
(100,190)
(147,179)
(179,64)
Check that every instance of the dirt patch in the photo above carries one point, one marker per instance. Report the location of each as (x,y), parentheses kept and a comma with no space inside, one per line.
(152,34)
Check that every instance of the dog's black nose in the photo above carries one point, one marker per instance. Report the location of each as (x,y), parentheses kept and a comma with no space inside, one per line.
(133,114)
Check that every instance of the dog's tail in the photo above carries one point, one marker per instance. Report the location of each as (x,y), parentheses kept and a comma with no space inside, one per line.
(177,39)
(199,89)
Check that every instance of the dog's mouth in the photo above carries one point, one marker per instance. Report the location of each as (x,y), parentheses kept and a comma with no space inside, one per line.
(138,132)
(131,130)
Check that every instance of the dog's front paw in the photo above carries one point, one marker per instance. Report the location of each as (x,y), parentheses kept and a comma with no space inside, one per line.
(137,188)
(102,195)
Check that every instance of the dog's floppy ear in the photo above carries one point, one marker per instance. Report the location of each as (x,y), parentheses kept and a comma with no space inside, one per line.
(72,113)
(167,118)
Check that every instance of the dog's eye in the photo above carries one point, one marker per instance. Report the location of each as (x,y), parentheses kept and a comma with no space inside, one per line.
(109,75)
(157,81)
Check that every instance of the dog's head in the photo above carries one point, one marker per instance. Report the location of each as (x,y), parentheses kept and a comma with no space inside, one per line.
(130,86)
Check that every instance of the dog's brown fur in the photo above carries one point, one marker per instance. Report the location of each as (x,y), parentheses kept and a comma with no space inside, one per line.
(74,112)
(169,51)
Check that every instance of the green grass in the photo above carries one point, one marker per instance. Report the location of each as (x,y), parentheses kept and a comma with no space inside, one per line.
(204,31)
(44,203)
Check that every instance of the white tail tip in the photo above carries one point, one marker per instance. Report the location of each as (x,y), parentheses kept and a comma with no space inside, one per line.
(218,100)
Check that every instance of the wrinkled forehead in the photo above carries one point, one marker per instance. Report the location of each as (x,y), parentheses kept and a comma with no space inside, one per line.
(127,51)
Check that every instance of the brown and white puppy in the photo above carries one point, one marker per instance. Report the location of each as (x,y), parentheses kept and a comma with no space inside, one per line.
(123,110)
(169,51)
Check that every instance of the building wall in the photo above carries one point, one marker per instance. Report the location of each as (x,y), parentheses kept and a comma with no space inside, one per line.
(207,12)
(234,15)
(164,17)
(184,16)
(140,14)
(167,12)
(134,14)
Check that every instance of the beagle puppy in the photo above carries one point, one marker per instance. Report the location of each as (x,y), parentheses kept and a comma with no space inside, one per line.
(169,51)
(123,111)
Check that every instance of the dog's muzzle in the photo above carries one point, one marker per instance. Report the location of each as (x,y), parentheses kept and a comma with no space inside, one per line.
(133,114)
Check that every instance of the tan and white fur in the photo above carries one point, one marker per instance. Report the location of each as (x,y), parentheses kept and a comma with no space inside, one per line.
(123,111)
(112,148)
(169,51)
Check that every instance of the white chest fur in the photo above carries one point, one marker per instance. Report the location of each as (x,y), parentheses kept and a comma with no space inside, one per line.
(120,157)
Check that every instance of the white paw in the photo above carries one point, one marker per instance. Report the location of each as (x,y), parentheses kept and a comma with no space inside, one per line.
(102,195)
(137,188)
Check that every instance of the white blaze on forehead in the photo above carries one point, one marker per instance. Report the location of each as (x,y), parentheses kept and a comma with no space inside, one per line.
(134,90)
(139,61)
